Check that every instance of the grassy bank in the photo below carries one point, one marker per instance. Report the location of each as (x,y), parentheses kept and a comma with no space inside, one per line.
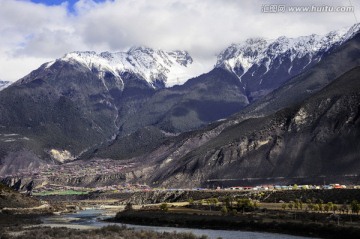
(109,232)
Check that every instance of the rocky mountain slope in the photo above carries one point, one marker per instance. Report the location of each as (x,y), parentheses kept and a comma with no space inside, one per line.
(57,111)
(168,112)
(315,138)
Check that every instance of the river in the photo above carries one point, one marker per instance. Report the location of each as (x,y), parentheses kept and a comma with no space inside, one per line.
(91,218)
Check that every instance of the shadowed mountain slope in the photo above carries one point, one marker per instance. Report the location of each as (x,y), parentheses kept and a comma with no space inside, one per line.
(319,137)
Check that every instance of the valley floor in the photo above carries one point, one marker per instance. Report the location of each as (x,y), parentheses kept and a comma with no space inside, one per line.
(319,213)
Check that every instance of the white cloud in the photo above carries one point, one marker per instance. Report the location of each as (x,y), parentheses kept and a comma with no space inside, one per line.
(32,34)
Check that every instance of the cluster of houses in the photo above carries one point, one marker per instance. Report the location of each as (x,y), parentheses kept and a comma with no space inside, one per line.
(126,187)
(85,168)
(291,187)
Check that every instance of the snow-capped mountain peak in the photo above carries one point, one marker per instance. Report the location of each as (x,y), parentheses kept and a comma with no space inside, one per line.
(166,68)
(239,58)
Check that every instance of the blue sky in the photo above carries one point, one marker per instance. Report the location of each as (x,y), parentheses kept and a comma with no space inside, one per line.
(59,2)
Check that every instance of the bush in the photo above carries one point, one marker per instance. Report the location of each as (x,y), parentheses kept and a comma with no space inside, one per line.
(355,206)
(128,207)
(164,207)
(246,204)
(233,212)
(224,211)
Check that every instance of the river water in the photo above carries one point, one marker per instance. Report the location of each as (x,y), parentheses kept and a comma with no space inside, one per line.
(92,219)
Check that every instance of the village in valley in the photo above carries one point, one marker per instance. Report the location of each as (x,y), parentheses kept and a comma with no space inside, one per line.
(46,176)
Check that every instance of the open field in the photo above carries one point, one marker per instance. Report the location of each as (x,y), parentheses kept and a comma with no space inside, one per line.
(61,192)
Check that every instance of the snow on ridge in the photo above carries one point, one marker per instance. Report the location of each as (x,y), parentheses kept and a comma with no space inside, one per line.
(172,68)
(257,51)
(4,84)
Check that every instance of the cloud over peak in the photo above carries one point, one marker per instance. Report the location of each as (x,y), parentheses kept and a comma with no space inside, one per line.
(33,33)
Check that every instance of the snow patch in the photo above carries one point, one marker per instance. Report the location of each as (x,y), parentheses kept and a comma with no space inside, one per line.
(49,64)
(10,135)
(9,140)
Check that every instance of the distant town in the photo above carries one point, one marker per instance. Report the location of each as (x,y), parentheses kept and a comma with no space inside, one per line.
(99,167)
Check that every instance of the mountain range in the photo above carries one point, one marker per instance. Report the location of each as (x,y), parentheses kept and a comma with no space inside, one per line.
(279,109)
(263,65)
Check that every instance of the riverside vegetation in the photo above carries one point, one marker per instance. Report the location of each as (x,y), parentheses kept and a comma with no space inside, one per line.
(313,218)
(277,211)
(108,232)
